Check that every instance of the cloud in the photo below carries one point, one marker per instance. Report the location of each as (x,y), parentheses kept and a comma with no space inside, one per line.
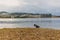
(52,6)
(9,4)
(44,3)
(54,3)
(36,6)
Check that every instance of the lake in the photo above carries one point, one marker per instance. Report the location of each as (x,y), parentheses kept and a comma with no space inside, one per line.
(29,22)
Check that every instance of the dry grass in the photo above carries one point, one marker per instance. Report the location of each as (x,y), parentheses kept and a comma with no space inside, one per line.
(29,34)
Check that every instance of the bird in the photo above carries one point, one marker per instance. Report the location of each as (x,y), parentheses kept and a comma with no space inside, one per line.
(36,26)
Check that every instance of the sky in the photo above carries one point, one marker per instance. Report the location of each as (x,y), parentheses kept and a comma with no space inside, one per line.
(31,6)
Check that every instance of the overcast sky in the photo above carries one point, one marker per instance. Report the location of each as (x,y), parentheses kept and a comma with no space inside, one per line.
(34,6)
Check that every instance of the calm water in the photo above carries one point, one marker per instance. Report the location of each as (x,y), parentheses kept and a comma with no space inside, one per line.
(29,22)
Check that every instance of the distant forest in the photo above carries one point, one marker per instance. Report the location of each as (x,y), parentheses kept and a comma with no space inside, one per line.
(4,14)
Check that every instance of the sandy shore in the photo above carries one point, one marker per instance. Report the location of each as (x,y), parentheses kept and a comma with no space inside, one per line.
(29,34)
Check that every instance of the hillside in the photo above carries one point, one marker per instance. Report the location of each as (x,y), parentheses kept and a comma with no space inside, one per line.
(4,14)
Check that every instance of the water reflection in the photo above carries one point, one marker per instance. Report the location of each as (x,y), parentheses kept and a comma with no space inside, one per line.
(29,22)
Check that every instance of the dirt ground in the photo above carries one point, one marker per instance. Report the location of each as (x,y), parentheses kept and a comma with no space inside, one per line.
(29,34)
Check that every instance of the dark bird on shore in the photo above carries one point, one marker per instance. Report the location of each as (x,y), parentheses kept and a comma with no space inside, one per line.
(36,26)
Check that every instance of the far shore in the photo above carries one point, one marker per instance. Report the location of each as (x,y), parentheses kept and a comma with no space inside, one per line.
(37,17)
